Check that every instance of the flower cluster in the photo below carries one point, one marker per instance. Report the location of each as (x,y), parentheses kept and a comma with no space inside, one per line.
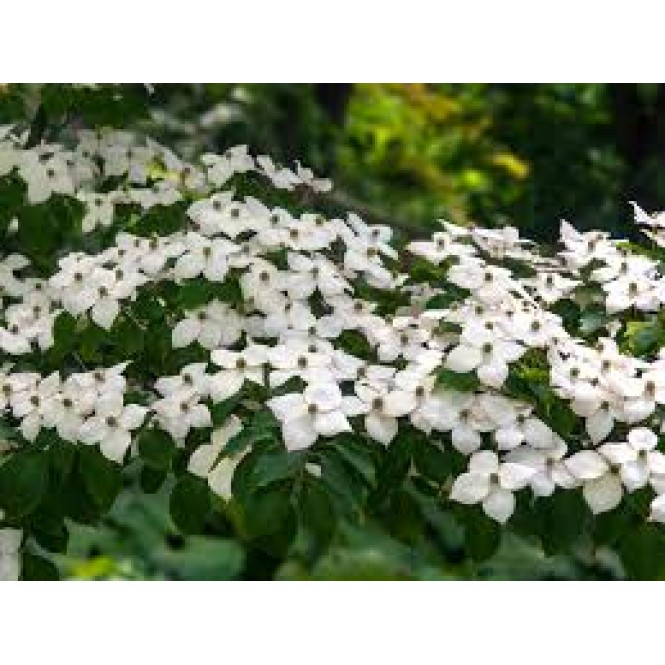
(439,343)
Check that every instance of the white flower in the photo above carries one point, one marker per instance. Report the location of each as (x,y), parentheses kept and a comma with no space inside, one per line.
(102,381)
(319,411)
(67,409)
(238,367)
(112,426)
(132,161)
(191,379)
(485,353)
(206,257)
(292,360)
(457,413)
(514,423)
(178,413)
(440,248)
(99,210)
(602,487)
(216,324)
(491,483)
(31,404)
(637,458)
(549,466)
(307,275)
(382,407)
(45,176)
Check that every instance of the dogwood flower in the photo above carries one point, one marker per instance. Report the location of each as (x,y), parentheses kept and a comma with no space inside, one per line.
(216,324)
(204,257)
(637,457)
(487,354)
(319,411)
(491,483)
(112,426)
(238,367)
(602,488)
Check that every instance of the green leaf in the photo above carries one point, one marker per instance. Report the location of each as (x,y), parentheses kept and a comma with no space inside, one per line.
(561,520)
(37,568)
(277,466)
(431,461)
(482,535)
(101,477)
(151,479)
(463,382)
(23,483)
(644,337)
(642,552)
(190,504)
(315,510)
(592,320)
(357,454)
(220,412)
(156,448)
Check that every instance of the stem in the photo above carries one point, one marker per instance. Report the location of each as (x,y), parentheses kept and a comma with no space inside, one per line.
(37,127)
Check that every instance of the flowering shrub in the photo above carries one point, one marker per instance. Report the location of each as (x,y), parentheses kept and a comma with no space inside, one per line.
(289,374)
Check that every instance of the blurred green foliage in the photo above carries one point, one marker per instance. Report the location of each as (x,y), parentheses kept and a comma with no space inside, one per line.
(407,154)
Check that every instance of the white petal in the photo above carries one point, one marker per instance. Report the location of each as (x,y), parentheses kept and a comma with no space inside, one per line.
(329,424)
(538,434)
(326,396)
(10,541)
(587,465)
(642,438)
(185,332)
(10,567)
(484,462)
(465,439)
(189,265)
(299,433)
(604,493)
(286,407)
(104,312)
(199,416)
(398,403)
(493,374)
(225,384)
(599,425)
(635,475)
(115,445)
(508,438)
(463,358)
(209,335)
(132,416)
(221,477)
(470,488)
(658,509)
(617,453)
(499,504)
(381,428)
(514,476)
(202,460)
